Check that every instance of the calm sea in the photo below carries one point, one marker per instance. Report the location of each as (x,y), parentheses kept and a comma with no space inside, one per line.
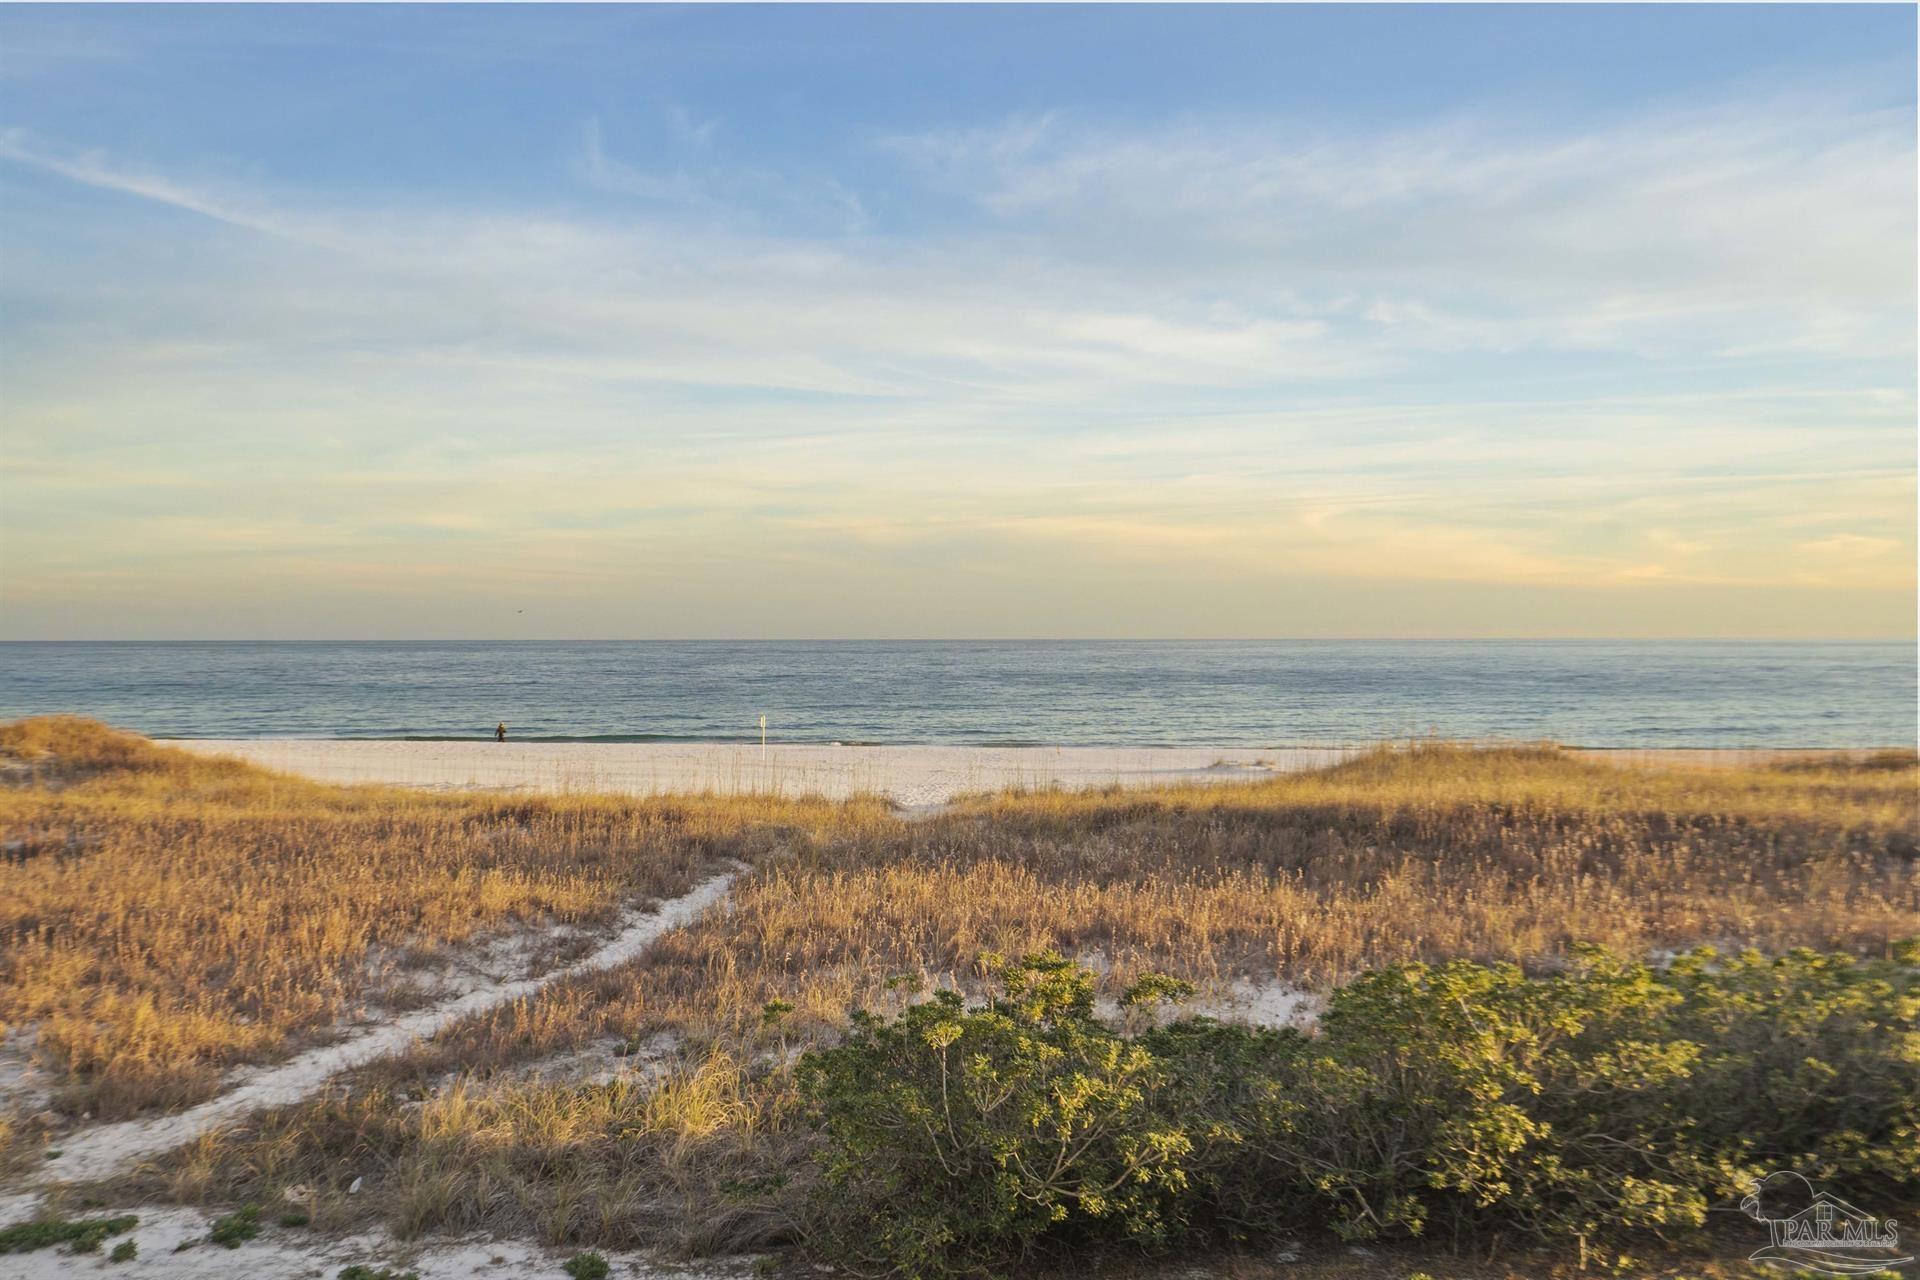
(1216,693)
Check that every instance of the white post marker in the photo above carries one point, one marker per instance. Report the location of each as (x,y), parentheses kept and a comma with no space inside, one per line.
(763,736)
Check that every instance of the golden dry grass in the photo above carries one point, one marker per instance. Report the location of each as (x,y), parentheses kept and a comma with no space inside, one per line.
(163,917)
(1434,853)
(1430,852)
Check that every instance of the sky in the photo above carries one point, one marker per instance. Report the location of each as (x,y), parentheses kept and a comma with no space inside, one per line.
(740,321)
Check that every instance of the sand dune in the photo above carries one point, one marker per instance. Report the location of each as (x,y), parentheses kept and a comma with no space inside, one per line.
(107,1149)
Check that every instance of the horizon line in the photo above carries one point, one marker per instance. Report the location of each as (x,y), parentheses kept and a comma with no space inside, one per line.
(1340,639)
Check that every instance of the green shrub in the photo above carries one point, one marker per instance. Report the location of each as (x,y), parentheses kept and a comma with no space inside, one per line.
(1464,1096)
(123,1252)
(360,1272)
(587,1266)
(1577,1110)
(236,1228)
(962,1136)
(1808,1061)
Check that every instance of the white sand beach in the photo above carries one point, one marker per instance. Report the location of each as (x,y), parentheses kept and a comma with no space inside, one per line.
(914,777)
(911,776)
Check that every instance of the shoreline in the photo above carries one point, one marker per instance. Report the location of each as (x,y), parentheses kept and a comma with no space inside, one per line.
(989,744)
(914,777)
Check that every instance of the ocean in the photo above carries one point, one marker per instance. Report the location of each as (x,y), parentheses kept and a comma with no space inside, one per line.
(1275,693)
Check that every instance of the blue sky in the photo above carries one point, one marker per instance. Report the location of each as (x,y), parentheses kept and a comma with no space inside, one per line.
(1086,320)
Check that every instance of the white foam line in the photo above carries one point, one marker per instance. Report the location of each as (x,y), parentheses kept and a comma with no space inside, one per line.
(108,1149)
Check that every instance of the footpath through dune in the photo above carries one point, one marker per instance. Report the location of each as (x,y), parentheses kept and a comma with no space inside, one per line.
(113,1148)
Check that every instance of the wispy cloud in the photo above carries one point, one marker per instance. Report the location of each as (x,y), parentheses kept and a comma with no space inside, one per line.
(1229,358)
(746,196)
(1779,223)
(95,169)
(688,128)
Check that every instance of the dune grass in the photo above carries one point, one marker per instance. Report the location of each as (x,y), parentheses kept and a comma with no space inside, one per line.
(166,916)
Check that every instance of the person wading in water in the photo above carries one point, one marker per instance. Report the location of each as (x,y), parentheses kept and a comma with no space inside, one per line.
(500,732)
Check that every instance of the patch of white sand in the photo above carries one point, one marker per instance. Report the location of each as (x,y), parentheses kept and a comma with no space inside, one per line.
(1260,1004)
(1248,1001)
(282,1254)
(25,1087)
(912,776)
(108,1149)
(17,1207)
(1256,1002)
(502,956)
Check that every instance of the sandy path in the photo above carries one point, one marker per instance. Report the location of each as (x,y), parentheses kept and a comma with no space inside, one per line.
(915,777)
(112,1148)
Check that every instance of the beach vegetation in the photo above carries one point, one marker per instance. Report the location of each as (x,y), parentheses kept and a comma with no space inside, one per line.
(587,1266)
(1580,1110)
(234,1229)
(80,1235)
(166,917)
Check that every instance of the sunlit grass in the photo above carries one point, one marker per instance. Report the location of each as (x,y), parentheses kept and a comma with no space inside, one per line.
(168,916)
(163,917)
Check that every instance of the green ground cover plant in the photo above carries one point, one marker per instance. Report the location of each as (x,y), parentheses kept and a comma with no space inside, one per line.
(80,1235)
(236,1228)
